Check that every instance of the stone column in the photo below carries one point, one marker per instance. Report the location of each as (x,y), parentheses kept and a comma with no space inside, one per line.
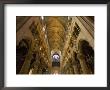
(76,69)
(75,64)
(83,64)
(26,65)
(35,71)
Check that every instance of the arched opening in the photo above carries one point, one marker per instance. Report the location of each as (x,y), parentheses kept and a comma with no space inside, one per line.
(55,60)
(32,61)
(21,51)
(88,52)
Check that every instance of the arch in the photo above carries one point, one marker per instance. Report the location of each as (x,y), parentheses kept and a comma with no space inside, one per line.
(55,59)
(85,49)
(22,50)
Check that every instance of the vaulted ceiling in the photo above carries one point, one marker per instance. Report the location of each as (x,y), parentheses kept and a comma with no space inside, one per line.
(47,34)
(56,27)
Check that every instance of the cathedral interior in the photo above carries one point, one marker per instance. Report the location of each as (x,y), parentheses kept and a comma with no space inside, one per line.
(55,45)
